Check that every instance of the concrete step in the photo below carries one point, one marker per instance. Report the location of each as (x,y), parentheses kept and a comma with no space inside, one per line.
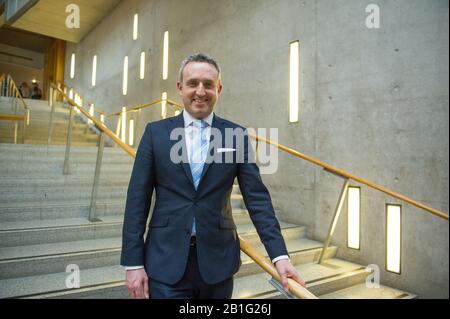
(361,291)
(101,282)
(58,230)
(23,261)
(64,183)
(40,170)
(54,150)
(33,211)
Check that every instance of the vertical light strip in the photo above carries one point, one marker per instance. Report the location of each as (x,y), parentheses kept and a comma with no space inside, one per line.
(166,55)
(102,118)
(91,112)
(72,66)
(142,66)
(94,70)
(125,76)
(393,237)
(164,105)
(293,82)
(135,27)
(131,133)
(353,217)
(123,128)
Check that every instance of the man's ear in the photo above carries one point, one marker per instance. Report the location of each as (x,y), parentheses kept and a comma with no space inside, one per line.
(179,87)
(219,88)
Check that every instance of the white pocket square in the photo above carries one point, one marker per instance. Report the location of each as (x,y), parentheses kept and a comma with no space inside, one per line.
(223,150)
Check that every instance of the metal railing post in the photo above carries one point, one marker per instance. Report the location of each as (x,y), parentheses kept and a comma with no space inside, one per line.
(52,112)
(98,167)
(333,224)
(66,170)
(16,124)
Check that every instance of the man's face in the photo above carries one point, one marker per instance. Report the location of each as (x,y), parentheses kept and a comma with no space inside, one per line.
(200,88)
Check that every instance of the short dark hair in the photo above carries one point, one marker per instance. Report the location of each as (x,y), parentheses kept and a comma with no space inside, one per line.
(198,57)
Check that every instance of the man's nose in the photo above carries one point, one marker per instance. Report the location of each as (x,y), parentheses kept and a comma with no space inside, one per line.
(200,90)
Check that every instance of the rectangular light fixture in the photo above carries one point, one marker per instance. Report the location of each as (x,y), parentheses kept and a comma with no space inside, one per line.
(72,66)
(71,94)
(125,76)
(94,70)
(164,105)
(123,128)
(165,55)
(135,27)
(142,66)
(294,81)
(102,118)
(353,217)
(91,112)
(131,133)
(393,238)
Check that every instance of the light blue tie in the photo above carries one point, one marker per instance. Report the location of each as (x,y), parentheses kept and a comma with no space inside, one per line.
(198,155)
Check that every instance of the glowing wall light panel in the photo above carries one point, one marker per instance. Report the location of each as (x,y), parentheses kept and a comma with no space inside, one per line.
(142,66)
(102,118)
(135,27)
(393,237)
(131,133)
(164,105)
(72,66)
(125,76)
(165,55)
(353,217)
(94,70)
(71,94)
(293,82)
(123,128)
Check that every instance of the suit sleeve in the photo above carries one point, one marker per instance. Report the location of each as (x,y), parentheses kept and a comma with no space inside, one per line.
(138,202)
(259,204)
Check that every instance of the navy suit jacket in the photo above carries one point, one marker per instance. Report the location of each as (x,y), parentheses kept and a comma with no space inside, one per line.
(164,252)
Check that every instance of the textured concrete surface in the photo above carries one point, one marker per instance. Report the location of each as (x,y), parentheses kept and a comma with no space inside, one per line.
(372,101)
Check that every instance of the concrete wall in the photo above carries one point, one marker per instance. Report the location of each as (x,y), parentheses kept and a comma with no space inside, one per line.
(374,102)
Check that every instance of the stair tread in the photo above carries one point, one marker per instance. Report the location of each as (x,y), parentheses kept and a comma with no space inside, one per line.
(82,246)
(26,286)
(361,291)
(55,223)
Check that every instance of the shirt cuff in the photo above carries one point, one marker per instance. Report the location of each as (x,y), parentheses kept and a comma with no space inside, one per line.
(280,258)
(133,267)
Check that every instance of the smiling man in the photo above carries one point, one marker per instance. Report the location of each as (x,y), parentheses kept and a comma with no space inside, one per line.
(192,249)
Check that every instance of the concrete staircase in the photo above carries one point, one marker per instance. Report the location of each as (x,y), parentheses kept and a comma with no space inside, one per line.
(37,131)
(44,228)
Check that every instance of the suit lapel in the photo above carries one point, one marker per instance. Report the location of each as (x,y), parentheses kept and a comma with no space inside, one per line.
(177,122)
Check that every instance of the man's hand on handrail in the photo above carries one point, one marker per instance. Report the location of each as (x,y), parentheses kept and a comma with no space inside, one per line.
(286,270)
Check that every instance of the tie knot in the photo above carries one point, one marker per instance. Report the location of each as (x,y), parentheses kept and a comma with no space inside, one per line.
(199,123)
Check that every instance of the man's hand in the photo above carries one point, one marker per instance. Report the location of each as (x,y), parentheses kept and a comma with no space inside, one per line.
(286,270)
(137,284)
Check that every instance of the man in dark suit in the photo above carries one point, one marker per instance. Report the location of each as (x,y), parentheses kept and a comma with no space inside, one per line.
(192,248)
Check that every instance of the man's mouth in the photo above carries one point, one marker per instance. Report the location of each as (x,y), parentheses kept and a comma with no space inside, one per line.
(200,100)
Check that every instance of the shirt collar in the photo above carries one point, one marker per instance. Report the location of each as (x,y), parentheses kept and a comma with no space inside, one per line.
(188,118)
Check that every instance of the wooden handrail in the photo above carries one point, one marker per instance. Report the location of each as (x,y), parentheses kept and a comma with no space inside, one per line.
(97,109)
(12,117)
(353,177)
(295,288)
(134,109)
(101,126)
